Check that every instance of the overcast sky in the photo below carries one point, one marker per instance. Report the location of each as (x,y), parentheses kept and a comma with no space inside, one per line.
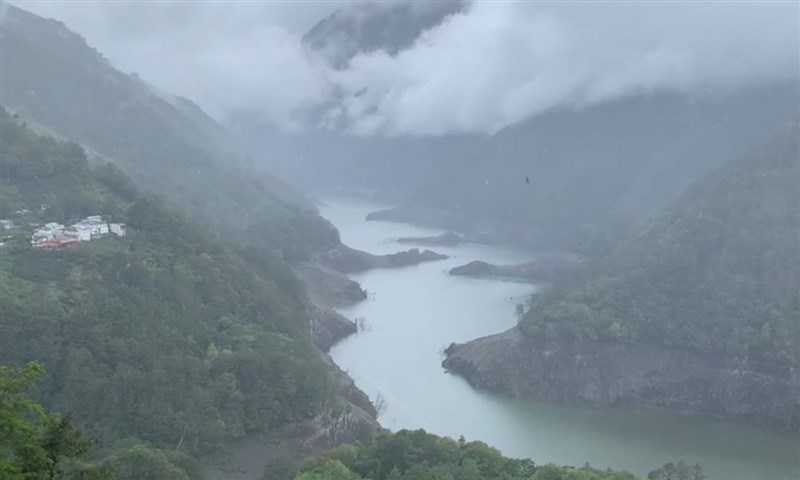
(492,65)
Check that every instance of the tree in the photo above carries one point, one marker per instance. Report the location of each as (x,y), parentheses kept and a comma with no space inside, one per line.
(549,472)
(140,462)
(681,471)
(328,470)
(34,443)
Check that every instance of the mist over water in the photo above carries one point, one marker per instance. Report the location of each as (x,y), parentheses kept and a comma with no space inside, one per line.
(413,313)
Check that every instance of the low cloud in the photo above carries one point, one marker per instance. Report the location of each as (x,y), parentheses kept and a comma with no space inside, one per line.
(499,63)
(490,66)
(230,57)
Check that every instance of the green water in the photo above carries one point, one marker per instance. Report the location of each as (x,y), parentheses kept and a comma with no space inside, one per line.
(414,312)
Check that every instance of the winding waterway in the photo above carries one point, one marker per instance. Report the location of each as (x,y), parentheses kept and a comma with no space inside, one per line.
(413,313)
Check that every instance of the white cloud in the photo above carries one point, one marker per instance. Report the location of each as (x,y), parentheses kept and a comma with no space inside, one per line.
(492,65)
(228,56)
(499,63)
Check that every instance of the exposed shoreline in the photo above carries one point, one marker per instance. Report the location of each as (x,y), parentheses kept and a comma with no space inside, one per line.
(603,374)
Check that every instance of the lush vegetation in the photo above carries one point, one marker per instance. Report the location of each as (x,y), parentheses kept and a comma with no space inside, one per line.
(416,455)
(38,445)
(165,143)
(35,444)
(166,335)
(717,272)
(53,180)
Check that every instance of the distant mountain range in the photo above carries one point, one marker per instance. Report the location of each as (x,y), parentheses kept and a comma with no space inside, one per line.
(590,170)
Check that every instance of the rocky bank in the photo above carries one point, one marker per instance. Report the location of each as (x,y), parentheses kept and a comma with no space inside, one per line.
(349,260)
(547,268)
(329,287)
(608,374)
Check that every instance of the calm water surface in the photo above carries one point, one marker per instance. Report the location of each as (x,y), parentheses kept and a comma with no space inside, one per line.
(413,313)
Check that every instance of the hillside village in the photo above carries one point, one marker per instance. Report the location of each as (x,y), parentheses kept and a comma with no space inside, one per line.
(54,235)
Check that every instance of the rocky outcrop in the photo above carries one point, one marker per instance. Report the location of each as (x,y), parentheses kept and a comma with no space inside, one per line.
(329,287)
(548,268)
(328,327)
(605,374)
(349,260)
(288,447)
(447,239)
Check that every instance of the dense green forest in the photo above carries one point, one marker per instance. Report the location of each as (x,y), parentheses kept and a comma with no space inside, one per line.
(718,272)
(167,144)
(36,444)
(417,455)
(166,335)
(33,442)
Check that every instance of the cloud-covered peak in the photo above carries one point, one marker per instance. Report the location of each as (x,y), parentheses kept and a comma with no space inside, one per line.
(496,64)
(417,69)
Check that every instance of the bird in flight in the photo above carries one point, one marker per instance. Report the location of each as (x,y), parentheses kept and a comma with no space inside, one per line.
(527,180)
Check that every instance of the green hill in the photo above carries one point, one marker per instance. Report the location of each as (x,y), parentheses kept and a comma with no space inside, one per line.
(167,144)
(718,272)
(166,335)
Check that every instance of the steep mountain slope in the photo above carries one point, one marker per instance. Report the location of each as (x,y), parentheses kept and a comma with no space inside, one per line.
(165,143)
(166,335)
(699,310)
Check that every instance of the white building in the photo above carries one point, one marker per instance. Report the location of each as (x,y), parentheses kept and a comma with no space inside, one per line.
(82,234)
(86,230)
(118,229)
(94,224)
(48,232)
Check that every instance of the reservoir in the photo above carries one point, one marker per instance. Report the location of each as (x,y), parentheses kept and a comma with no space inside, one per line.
(413,313)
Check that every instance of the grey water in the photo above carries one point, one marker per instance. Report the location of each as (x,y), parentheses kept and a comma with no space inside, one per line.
(413,313)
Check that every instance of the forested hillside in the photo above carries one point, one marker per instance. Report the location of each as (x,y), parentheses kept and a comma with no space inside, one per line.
(166,335)
(697,311)
(168,145)
(718,272)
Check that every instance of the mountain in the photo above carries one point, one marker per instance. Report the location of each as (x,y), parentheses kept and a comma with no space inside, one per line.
(567,173)
(592,171)
(328,161)
(193,330)
(374,26)
(167,144)
(698,310)
(166,335)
